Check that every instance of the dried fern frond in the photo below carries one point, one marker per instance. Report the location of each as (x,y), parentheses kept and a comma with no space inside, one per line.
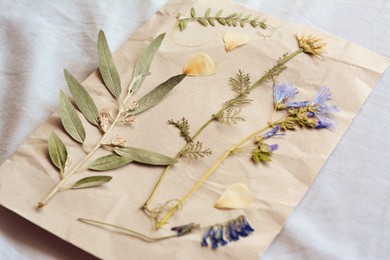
(183,127)
(196,151)
(240,83)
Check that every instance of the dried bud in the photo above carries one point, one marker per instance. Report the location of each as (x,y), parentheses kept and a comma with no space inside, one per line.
(311,44)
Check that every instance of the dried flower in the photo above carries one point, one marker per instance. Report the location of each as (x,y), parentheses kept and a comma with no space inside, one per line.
(104,119)
(185,229)
(311,44)
(118,141)
(231,230)
(320,109)
(283,95)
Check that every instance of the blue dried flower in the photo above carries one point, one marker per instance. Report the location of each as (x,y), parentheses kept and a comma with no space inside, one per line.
(320,109)
(273,147)
(185,229)
(272,132)
(283,95)
(232,231)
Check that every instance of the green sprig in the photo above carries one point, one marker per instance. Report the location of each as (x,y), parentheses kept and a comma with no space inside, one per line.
(233,19)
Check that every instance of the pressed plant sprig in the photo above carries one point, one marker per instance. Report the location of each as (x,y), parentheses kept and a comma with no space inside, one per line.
(303,114)
(105,121)
(232,19)
(230,110)
(217,234)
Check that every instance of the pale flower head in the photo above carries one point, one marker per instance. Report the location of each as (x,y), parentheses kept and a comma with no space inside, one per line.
(311,44)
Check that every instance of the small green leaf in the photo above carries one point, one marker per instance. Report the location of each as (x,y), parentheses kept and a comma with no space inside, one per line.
(221,21)
(208,11)
(246,17)
(234,22)
(229,21)
(193,12)
(83,100)
(211,22)
(92,181)
(145,60)
(70,120)
(231,15)
(109,162)
(57,151)
(203,21)
(107,66)
(218,14)
(157,94)
(145,156)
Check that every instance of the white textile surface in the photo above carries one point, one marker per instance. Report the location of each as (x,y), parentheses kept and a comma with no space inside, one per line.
(346,212)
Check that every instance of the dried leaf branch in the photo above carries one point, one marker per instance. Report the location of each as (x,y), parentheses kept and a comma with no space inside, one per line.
(105,121)
(233,19)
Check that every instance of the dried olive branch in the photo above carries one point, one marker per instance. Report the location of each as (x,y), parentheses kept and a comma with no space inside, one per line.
(122,110)
(269,75)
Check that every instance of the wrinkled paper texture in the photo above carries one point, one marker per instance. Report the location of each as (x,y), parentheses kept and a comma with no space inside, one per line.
(348,70)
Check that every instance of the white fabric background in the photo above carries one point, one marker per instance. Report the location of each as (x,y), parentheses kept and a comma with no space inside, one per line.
(346,212)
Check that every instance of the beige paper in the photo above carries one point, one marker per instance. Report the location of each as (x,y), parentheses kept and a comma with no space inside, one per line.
(349,70)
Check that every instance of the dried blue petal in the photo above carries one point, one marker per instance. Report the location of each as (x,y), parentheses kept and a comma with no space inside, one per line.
(240,228)
(213,238)
(272,132)
(231,233)
(246,225)
(273,147)
(205,236)
(282,94)
(222,242)
(185,229)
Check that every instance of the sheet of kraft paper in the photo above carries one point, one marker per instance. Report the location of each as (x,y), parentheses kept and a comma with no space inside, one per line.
(350,72)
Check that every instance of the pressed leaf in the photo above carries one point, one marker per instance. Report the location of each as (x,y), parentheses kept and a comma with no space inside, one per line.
(221,21)
(92,181)
(107,66)
(203,21)
(109,162)
(193,12)
(157,94)
(57,151)
(70,120)
(208,11)
(82,98)
(145,156)
(211,21)
(218,14)
(145,60)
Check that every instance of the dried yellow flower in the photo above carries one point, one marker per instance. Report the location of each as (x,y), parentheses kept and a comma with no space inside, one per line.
(200,64)
(311,44)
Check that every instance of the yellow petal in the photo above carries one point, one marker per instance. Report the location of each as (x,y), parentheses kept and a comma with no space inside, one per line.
(234,40)
(200,64)
(236,196)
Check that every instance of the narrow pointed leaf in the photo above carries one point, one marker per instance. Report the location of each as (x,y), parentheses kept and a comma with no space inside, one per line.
(70,120)
(208,11)
(57,151)
(193,12)
(218,14)
(107,66)
(92,181)
(82,98)
(145,156)
(109,162)
(144,61)
(157,94)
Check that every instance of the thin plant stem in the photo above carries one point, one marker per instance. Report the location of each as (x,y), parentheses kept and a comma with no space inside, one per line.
(268,75)
(211,170)
(125,230)
(66,177)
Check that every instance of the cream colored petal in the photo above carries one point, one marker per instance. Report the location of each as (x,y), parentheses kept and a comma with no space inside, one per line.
(234,40)
(236,196)
(200,64)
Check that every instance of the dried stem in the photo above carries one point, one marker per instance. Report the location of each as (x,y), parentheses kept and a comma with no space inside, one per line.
(270,74)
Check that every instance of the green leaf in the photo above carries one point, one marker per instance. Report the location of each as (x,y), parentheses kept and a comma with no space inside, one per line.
(193,12)
(57,151)
(109,162)
(107,66)
(157,94)
(92,181)
(208,11)
(218,14)
(221,21)
(83,100)
(145,156)
(211,21)
(70,120)
(203,21)
(145,60)
(231,15)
